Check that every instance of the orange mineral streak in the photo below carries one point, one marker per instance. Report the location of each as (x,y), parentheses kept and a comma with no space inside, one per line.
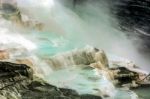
(4,55)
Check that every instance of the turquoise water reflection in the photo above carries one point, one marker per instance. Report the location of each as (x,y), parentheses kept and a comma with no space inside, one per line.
(52,43)
(84,80)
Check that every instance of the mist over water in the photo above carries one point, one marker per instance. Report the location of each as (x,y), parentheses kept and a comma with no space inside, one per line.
(69,26)
(87,23)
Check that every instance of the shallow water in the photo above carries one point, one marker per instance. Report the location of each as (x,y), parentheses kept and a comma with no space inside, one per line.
(81,26)
(143,93)
(85,81)
(80,78)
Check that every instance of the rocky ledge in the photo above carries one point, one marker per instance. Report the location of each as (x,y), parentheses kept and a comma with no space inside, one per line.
(18,82)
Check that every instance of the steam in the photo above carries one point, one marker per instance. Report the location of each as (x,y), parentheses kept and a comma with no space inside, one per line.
(97,27)
(8,37)
(89,23)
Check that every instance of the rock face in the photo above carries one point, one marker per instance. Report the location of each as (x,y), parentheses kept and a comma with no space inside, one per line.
(130,75)
(85,56)
(10,11)
(13,78)
(122,74)
(17,82)
(134,16)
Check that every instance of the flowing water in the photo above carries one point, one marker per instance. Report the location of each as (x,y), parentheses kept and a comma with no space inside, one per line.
(70,27)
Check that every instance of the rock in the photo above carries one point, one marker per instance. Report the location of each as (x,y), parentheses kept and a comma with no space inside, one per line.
(17,82)
(10,12)
(125,76)
(25,61)
(4,55)
(101,57)
(8,9)
(15,69)
(98,65)
(68,92)
(28,61)
(85,56)
(129,73)
(13,77)
(88,96)
(2,97)
(101,61)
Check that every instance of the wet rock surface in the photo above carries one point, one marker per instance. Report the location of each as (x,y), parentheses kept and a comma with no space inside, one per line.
(85,56)
(133,16)
(17,82)
(121,73)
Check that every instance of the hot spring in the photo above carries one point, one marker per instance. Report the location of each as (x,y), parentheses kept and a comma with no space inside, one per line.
(71,25)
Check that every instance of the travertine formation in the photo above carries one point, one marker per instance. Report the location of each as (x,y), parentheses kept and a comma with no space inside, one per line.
(85,56)
(121,73)
(10,12)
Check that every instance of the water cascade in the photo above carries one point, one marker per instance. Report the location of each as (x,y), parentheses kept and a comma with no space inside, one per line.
(51,36)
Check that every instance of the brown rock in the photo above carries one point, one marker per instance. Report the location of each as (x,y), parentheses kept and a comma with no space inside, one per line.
(4,55)
(29,62)
(25,61)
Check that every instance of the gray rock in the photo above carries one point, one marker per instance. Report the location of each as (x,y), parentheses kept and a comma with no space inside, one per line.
(17,82)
